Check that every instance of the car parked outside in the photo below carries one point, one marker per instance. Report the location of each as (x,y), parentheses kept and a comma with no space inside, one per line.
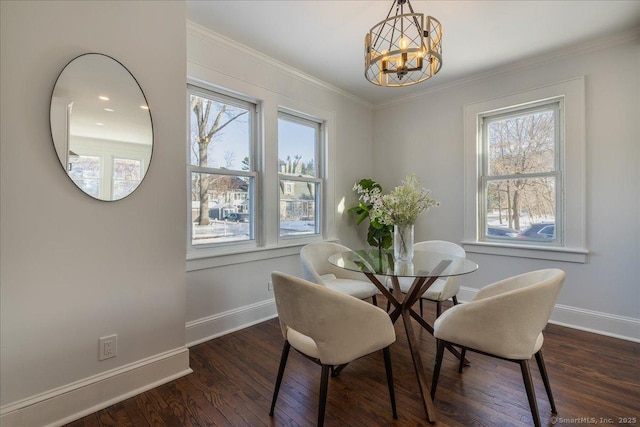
(497,231)
(237,217)
(540,231)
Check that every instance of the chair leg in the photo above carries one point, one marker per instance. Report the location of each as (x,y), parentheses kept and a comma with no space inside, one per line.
(335,370)
(324,386)
(545,380)
(438,309)
(463,352)
(455,300)
(283,363)
(374,300)
(436,368)
(531,393)
(388,305)
(392,395)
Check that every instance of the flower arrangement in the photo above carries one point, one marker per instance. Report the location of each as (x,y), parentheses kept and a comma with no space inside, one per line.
(404,204)
(394,211)
(379,235)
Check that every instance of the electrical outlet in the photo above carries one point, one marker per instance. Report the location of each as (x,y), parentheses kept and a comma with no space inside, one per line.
(108,347)
(270,285)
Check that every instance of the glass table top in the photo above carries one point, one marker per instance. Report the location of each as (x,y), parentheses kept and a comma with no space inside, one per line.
(424,263)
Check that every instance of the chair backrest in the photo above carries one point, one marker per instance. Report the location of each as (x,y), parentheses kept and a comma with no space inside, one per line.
(342,327)
(315,262)
(452,285)
(505,318)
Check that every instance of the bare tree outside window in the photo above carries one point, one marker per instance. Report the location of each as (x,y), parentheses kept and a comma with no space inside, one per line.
(221,145)
(298,142)
(521,179)
(211,118)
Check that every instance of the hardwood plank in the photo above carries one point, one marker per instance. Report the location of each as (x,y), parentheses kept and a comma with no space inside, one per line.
(232,384)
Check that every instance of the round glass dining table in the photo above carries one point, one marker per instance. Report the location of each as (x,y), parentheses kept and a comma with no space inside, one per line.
(425,264)
(426,267)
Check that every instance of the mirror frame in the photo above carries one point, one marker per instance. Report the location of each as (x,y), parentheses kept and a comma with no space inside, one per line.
(53,138)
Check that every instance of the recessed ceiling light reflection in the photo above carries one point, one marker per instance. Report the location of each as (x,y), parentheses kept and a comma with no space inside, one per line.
(111,110)
(104,98)
(100,124)
(144,107)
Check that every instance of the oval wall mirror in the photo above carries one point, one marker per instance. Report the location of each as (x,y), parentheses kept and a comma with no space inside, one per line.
(101,126)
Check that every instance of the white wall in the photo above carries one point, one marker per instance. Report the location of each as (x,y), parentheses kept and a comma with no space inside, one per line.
(225,297)
(74,269)
(424,135)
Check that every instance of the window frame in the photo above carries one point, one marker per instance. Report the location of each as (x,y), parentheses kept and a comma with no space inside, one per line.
(113,173)
(556,105)
(268,245)
(253,174)
(572,217)
(317,180)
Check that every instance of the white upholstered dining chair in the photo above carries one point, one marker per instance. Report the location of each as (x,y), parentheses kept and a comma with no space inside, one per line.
(442,289)
(316,268)
(330,328)
(504,320)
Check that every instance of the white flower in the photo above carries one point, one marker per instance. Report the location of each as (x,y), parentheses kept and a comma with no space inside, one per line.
(404,204)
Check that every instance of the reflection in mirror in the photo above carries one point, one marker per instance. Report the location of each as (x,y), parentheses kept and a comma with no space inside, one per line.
(101,126)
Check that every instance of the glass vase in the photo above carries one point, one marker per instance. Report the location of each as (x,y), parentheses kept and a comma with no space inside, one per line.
(403,242)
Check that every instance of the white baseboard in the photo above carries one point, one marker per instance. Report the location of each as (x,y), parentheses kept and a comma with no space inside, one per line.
(210,327)
(626,328)
(76,400)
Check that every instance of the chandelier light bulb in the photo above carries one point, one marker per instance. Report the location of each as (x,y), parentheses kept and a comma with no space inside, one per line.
(404,43)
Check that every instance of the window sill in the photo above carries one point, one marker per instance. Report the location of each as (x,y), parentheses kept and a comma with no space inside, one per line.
(204,259)
(534,252)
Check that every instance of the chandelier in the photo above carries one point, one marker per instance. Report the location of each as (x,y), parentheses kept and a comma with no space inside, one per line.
(402,50)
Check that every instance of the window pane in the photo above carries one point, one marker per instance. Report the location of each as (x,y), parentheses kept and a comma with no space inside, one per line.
(225,201)
(85,172)
(298,208)
(127,174)
(523,209)
(297,140)
(522,144)
(220,134)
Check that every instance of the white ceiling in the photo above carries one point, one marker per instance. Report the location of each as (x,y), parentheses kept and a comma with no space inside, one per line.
(120,117)
(325,39)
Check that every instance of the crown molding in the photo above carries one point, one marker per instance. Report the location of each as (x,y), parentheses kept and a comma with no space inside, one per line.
(578,49)
(207,34)
(581,48)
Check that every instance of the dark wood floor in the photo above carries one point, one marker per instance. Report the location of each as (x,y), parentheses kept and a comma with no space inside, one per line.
(595,380)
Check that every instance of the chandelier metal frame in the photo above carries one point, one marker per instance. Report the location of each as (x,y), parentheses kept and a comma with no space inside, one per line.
(401,50)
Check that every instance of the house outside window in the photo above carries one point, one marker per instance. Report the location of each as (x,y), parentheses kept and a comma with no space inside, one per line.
(299,174)
(289,188)
(222,175)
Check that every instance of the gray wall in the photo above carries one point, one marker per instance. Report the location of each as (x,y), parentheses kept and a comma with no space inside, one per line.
(602,294)
(74,269)
(224,295)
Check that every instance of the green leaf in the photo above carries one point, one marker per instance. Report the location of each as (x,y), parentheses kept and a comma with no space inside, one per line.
(362,217)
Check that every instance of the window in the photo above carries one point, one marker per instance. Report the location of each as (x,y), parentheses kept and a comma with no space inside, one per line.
(86,172)
(521,180)
(127,174)
(525,174)
(258,175)
(298,174)
(222,174)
